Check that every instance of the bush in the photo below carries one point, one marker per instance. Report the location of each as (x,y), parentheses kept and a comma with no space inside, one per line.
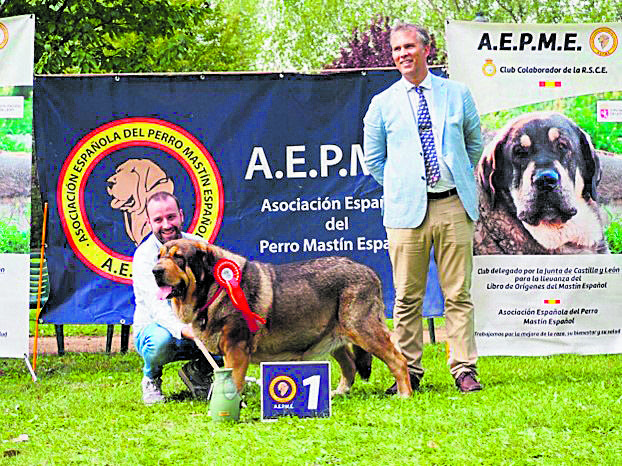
(371,48)
(12,240)
(613,234)
(580,109)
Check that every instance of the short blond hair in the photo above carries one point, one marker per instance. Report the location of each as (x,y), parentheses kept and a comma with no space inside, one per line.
(421,32)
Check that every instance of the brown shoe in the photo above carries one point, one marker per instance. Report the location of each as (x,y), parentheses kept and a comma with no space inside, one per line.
(414,383)
(466,382)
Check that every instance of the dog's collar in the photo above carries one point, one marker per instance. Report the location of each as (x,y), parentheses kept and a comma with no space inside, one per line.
(213,298)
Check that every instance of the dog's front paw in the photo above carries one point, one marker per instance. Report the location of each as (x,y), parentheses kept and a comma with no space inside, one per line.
(340,391)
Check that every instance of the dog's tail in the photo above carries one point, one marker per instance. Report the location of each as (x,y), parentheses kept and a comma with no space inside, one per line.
(362,361)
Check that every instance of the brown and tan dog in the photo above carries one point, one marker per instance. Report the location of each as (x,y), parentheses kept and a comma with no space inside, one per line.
(538,184)
(311,308)
(131,185)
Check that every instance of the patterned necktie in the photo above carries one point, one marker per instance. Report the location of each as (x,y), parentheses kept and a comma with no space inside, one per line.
(424,122)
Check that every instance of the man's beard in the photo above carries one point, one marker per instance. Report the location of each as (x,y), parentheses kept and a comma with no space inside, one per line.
(177,235)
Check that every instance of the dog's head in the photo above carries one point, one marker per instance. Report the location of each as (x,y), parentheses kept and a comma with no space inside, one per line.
(184,271)
(543,165)
(133,182)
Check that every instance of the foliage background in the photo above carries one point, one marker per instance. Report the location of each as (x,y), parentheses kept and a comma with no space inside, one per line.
(127,36)
(86,408)
(114,36)
(130,36)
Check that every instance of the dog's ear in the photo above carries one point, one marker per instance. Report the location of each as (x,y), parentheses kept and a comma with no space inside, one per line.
(207,261)
(592,164)
(489,166)
(153,176)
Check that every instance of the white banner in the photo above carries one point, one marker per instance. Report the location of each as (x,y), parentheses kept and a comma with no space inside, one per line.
(507,65)
(14,276)
(16,75)
(547,277)
(17,51)
(541,305)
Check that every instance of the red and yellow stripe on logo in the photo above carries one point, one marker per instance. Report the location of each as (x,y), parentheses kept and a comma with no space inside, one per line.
(550,84)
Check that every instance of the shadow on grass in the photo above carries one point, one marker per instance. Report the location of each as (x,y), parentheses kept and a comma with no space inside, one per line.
(183,395)
(87,363)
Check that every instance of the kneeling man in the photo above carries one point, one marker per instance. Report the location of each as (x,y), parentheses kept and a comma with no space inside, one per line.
(159,336)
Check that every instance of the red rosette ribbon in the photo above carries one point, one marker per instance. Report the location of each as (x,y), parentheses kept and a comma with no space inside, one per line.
(228,274)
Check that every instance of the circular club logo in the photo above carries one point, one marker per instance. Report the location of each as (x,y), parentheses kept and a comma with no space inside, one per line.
(4,35)
(129,186)
(603,41)
(282,389)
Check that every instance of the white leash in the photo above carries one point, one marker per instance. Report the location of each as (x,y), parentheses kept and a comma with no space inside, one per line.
(212,362)
(206,353)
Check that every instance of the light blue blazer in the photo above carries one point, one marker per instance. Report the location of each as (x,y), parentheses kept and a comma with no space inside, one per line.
(394,156)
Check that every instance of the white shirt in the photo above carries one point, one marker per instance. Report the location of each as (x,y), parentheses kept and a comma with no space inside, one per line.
(446,180)
(149,308)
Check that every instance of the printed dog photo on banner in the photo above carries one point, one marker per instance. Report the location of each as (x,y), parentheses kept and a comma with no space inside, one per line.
(549,181)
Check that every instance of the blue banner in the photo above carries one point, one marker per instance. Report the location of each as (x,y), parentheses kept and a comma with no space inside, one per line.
(267,165)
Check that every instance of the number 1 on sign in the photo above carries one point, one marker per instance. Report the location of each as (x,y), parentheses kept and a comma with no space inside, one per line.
(314,390)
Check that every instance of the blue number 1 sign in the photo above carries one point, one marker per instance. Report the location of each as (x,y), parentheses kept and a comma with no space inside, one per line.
(300,389)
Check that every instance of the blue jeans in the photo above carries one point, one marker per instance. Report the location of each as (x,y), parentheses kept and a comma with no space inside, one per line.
(158,347)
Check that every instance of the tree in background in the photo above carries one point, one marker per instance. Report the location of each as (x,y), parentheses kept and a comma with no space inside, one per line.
(103,36)
(368,49)
(128,36)
(371,49)
(115,36)
(305,35)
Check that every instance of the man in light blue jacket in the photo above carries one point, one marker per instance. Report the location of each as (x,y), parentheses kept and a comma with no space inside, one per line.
(422,139)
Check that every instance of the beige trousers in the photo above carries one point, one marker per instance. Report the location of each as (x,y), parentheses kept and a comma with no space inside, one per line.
(448,227)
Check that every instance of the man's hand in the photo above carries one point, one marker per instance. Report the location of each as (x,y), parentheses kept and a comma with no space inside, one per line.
(186,332)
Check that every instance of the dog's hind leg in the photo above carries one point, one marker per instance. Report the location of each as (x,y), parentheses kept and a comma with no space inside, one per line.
(362,361)
(373,336)
(345,359)
(380,346)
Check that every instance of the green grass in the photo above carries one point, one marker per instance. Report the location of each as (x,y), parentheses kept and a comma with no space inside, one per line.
(16,126)
(12,240)
(74,330)
(86,409)
(613,232)
(581,109)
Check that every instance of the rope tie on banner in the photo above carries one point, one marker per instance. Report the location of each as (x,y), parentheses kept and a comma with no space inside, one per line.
(228,275)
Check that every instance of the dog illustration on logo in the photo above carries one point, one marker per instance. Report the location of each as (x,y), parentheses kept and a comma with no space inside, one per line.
(131,185)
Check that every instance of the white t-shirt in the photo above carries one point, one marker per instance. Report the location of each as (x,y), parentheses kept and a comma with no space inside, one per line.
(148,307)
